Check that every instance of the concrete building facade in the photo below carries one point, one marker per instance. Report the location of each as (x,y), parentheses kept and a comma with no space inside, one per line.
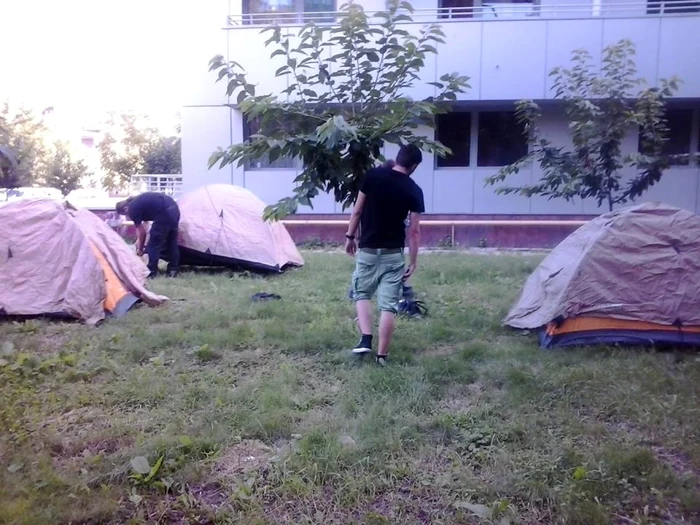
(507,49)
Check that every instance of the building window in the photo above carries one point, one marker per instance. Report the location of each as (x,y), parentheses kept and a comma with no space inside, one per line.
(251,127)
(266,12)
(312,8)
(456,8)
(656,7)
(487,8)
(454,131)
(680,129)
(502,139)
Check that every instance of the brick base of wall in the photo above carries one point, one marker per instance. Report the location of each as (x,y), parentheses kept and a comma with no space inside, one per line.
(490,236)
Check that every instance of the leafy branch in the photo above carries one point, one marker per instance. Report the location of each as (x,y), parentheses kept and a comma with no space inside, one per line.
(348,95)
(601,107)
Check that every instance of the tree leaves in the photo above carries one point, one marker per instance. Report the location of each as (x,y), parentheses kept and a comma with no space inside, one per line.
(601,107)
(130,147)
(140,465)
(347,98)
(63,172)
(25,150)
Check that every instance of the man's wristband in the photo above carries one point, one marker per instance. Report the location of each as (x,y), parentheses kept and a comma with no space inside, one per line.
(351,237)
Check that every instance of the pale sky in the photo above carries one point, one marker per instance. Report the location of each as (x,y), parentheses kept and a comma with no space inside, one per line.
(88,56)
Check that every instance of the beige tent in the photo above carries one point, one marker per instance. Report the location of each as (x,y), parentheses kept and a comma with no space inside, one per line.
(630,276)
(222,225)
(56,260)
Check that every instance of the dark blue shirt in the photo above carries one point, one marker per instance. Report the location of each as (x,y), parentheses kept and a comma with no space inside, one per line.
(149,206)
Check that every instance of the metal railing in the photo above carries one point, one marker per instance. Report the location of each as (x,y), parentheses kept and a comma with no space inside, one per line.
(168,184)
(486,12)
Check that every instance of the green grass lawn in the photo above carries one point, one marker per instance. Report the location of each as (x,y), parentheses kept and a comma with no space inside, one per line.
(261,416)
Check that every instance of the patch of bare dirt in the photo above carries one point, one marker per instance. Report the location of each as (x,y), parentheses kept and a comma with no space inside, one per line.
(678,462)
(247,456)
(199,504)
(461,399)
(86,432)
(78,417)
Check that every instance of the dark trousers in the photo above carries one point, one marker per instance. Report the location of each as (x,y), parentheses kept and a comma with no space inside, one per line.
(162,242)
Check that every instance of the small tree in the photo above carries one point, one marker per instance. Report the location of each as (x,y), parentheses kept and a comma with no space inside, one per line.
(163,156)
(131,147)
(23,153)
(602,108)
(338,112)
(8,167)
(63,173)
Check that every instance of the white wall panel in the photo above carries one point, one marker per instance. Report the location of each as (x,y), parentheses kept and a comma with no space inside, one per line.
(487,201)
(513,60)
(454,190)
(204,129)
(461,53)
(678,46)
(644,32)
(563,37)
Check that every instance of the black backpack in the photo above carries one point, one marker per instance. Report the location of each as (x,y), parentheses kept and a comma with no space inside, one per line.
(412,308)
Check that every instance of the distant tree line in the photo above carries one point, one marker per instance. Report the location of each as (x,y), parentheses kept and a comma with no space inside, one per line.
(31,156)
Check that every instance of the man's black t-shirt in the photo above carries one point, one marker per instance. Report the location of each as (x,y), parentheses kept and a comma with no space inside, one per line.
(149,206)
(390,196)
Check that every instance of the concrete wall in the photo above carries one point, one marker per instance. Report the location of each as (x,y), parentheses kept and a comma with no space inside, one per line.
(511,59)
(506,60)
(446,190)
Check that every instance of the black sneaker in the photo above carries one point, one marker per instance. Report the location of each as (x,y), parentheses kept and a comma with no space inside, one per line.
(380,360)
(172,274)
(361,349)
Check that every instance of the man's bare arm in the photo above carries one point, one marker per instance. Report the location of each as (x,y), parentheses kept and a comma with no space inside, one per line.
(140,238)
(350,244)
(413,243)
(356,214)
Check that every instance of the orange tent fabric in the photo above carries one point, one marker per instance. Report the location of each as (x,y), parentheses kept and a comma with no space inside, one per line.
(49,266)
(631,276)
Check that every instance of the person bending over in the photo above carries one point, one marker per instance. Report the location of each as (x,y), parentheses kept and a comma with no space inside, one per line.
(164,212)
(386,197)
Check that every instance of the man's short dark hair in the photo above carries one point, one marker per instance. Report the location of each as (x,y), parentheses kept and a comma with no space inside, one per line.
(409,155)
(122,206)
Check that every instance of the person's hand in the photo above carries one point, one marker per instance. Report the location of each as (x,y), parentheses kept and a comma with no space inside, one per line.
(139,252)
(350,247)
(409,271)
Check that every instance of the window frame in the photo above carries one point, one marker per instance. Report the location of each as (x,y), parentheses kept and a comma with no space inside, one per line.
(478,10)
(471,118)
(667,7)
(298,16)
(296,163)
(478,141)
(693,146)
(474,142)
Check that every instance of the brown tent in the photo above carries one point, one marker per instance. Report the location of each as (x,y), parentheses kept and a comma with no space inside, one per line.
(630,276)
(222,225)
(55,260)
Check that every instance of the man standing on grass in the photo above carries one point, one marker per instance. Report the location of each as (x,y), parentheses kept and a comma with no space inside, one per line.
(387,196)
(165,214)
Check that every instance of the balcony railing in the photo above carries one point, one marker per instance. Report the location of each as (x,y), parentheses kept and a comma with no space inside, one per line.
(488,12)
(168,184)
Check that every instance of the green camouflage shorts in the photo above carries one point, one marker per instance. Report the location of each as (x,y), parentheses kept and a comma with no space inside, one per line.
(380,273)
